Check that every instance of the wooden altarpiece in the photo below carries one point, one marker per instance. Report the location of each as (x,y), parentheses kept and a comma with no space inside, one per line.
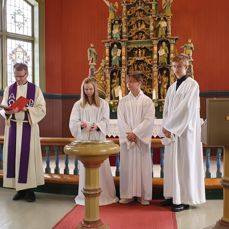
(138,40)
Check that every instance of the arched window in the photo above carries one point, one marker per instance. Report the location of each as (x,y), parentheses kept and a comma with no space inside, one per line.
(20,36)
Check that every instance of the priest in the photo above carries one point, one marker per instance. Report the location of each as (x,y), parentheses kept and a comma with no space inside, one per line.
(22,164)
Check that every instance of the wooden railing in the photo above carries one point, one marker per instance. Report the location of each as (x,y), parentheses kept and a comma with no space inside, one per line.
(52,151)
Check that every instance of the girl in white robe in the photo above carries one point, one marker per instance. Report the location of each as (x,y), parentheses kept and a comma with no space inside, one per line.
(183,158)
(89,120)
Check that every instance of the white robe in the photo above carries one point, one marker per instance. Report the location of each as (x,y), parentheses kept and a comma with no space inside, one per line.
(136,114)
(183,158)
(99,116)
(35,166)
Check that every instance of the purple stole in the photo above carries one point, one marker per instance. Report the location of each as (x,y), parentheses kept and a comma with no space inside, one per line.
(26,134)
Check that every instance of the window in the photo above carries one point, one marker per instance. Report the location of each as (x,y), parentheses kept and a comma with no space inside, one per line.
(20,35)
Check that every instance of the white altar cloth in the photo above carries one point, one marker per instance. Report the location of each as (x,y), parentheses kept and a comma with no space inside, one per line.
(114,132)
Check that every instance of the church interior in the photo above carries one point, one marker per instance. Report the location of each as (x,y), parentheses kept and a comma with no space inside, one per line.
(142,35)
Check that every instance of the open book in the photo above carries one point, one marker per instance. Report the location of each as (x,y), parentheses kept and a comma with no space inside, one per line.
(20,103)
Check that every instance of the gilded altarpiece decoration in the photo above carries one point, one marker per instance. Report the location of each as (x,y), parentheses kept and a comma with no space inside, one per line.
(139,40)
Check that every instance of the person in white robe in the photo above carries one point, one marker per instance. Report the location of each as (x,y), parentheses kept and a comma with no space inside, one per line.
(22,133)
(136,115)
(89,120)
(183,157)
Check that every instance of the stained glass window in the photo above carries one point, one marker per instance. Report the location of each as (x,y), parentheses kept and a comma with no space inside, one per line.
(18,39)
(19,17)
(18,52)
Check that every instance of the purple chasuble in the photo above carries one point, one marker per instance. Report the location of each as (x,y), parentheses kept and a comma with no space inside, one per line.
(26,135)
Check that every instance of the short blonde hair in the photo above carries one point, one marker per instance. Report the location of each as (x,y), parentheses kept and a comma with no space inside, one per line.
(181,58)
(95,98)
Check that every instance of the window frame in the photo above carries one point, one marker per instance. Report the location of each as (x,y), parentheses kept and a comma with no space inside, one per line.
(37,39)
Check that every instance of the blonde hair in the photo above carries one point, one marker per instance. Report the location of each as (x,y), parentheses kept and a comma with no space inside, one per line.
(95,97)
(181,58)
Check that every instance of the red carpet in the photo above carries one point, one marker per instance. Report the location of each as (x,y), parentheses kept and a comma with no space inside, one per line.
(131,216)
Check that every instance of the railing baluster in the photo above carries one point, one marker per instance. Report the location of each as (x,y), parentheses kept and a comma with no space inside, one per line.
(208,163)
(66,168)
(218,162)
(117,165)
(50,146)
(57,168)
(47,152)
(162,161)
(76,170)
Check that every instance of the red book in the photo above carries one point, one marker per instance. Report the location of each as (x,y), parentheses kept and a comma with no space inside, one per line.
(20,103)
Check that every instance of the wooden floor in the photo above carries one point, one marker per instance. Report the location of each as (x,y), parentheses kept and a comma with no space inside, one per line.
(50,208)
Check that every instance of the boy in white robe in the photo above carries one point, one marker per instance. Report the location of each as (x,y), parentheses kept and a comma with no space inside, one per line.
(183,158)
(89,120)
(136,114)
(22,159)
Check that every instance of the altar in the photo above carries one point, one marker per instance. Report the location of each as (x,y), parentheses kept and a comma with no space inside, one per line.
(114,132)
(157,129)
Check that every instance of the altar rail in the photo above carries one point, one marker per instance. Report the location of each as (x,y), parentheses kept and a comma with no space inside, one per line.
(52,150)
